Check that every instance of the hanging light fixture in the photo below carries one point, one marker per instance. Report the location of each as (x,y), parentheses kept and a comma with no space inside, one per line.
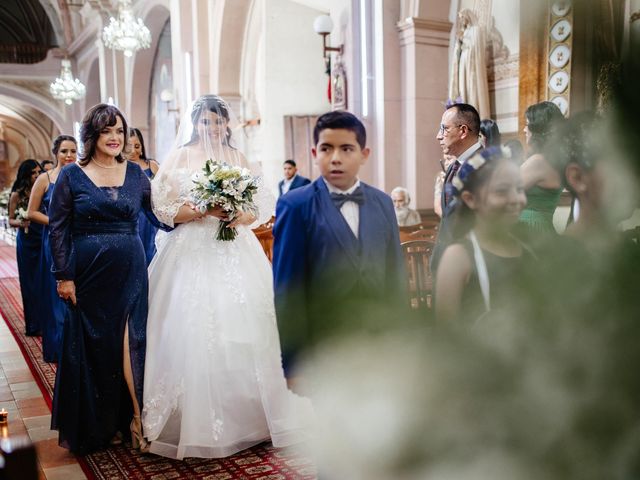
(126,33)
(65,87)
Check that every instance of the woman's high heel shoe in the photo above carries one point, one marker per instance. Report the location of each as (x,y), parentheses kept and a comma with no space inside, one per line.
(137,440)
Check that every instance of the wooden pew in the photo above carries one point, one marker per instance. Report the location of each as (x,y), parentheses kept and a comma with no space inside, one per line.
(417,254)
(417,245)
(264,233)
(427,230)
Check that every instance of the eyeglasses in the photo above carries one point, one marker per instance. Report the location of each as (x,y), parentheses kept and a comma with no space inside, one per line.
(444,129)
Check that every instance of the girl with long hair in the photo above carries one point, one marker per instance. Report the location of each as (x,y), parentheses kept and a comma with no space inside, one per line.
(28,243)
(52,308)
(476,272)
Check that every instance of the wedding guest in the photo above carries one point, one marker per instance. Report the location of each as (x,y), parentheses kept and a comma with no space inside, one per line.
(489,133)
(477,271)
(406,216)
(542,182)
(438,188)
(99,264)
(28,244)
(517,151)
(336,254)
(138,155)
(459,136)
(53,309)
(291,178)
(47,165)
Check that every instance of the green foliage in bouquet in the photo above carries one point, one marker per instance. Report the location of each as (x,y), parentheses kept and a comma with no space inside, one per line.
(230,187)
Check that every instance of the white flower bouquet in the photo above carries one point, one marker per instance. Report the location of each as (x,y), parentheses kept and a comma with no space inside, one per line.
(228,186)
(21,214)
(4,198)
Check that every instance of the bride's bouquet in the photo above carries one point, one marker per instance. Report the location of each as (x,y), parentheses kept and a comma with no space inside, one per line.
(228,186)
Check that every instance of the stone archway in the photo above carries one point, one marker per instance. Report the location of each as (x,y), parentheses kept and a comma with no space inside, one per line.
(226,66)
(48,107)
(25,132)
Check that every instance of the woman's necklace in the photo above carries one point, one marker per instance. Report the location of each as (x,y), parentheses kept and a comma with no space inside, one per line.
(102,165)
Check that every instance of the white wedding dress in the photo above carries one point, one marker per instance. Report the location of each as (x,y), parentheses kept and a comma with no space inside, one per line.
(214,383)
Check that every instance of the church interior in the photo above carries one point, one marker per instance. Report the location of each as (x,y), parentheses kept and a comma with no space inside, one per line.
(395,64)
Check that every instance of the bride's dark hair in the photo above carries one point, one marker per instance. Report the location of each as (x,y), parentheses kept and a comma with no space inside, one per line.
(214,104)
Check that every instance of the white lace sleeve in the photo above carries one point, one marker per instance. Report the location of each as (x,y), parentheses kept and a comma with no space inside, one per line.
(265,203)
(171,186)
(165,198)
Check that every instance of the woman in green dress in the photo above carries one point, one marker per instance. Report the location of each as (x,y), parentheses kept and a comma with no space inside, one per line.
(542,182)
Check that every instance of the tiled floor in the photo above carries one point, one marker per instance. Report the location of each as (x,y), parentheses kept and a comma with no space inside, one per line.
(29,414)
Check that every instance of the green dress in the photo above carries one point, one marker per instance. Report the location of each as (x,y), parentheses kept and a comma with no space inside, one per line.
(537,217)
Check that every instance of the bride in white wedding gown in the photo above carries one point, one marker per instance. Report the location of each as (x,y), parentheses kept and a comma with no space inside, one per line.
(214,383)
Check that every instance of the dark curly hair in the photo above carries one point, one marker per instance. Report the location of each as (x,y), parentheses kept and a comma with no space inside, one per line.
(489,130)
(575,142)
(95,120)
(135,132)
(543,118)
(55,148)
(23,182)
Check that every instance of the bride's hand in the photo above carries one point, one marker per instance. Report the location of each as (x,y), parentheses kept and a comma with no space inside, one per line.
(218,212)
(243,218)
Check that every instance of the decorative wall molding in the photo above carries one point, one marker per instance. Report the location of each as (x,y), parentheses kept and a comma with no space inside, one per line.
(503,68)
(424,32)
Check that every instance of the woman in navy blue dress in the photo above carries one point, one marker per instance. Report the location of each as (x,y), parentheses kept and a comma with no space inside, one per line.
(52,309)
(138,155)
(100,268)
(28,244)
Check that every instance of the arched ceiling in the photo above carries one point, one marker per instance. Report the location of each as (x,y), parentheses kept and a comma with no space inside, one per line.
(26,32)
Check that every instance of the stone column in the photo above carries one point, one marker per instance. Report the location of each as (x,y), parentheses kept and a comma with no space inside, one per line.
(424,46)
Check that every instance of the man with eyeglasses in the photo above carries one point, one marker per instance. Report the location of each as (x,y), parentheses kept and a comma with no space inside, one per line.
(459,137)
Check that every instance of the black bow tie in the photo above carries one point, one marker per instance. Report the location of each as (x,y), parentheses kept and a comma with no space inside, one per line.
(339,198)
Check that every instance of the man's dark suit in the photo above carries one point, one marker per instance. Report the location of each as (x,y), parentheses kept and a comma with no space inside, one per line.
(298,181)
(325,279)
(445,234)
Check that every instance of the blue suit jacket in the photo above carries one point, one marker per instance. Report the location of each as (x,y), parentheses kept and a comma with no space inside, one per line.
(298,181)
(325,277)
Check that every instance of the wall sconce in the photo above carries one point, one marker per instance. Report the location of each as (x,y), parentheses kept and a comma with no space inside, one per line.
(166,97)
(323,25)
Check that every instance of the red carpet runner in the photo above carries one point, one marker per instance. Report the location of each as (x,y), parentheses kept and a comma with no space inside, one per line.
(259,463)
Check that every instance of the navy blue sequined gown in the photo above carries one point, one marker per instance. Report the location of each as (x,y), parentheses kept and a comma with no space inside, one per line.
(147,229)
(53,307)
(95,242)
(28,246)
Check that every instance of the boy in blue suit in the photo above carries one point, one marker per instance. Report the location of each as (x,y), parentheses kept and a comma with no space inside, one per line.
(337,260)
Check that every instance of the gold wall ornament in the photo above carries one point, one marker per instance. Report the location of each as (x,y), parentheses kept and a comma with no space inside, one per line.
(559,53)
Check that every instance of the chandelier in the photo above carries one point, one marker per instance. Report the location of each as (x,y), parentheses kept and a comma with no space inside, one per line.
(65,87)
(126,33)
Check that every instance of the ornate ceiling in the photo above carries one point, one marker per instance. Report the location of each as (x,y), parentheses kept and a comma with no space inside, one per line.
(26,32)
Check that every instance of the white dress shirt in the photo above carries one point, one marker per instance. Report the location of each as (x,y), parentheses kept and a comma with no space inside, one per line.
(350,210)
(286,184)
(469,152)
